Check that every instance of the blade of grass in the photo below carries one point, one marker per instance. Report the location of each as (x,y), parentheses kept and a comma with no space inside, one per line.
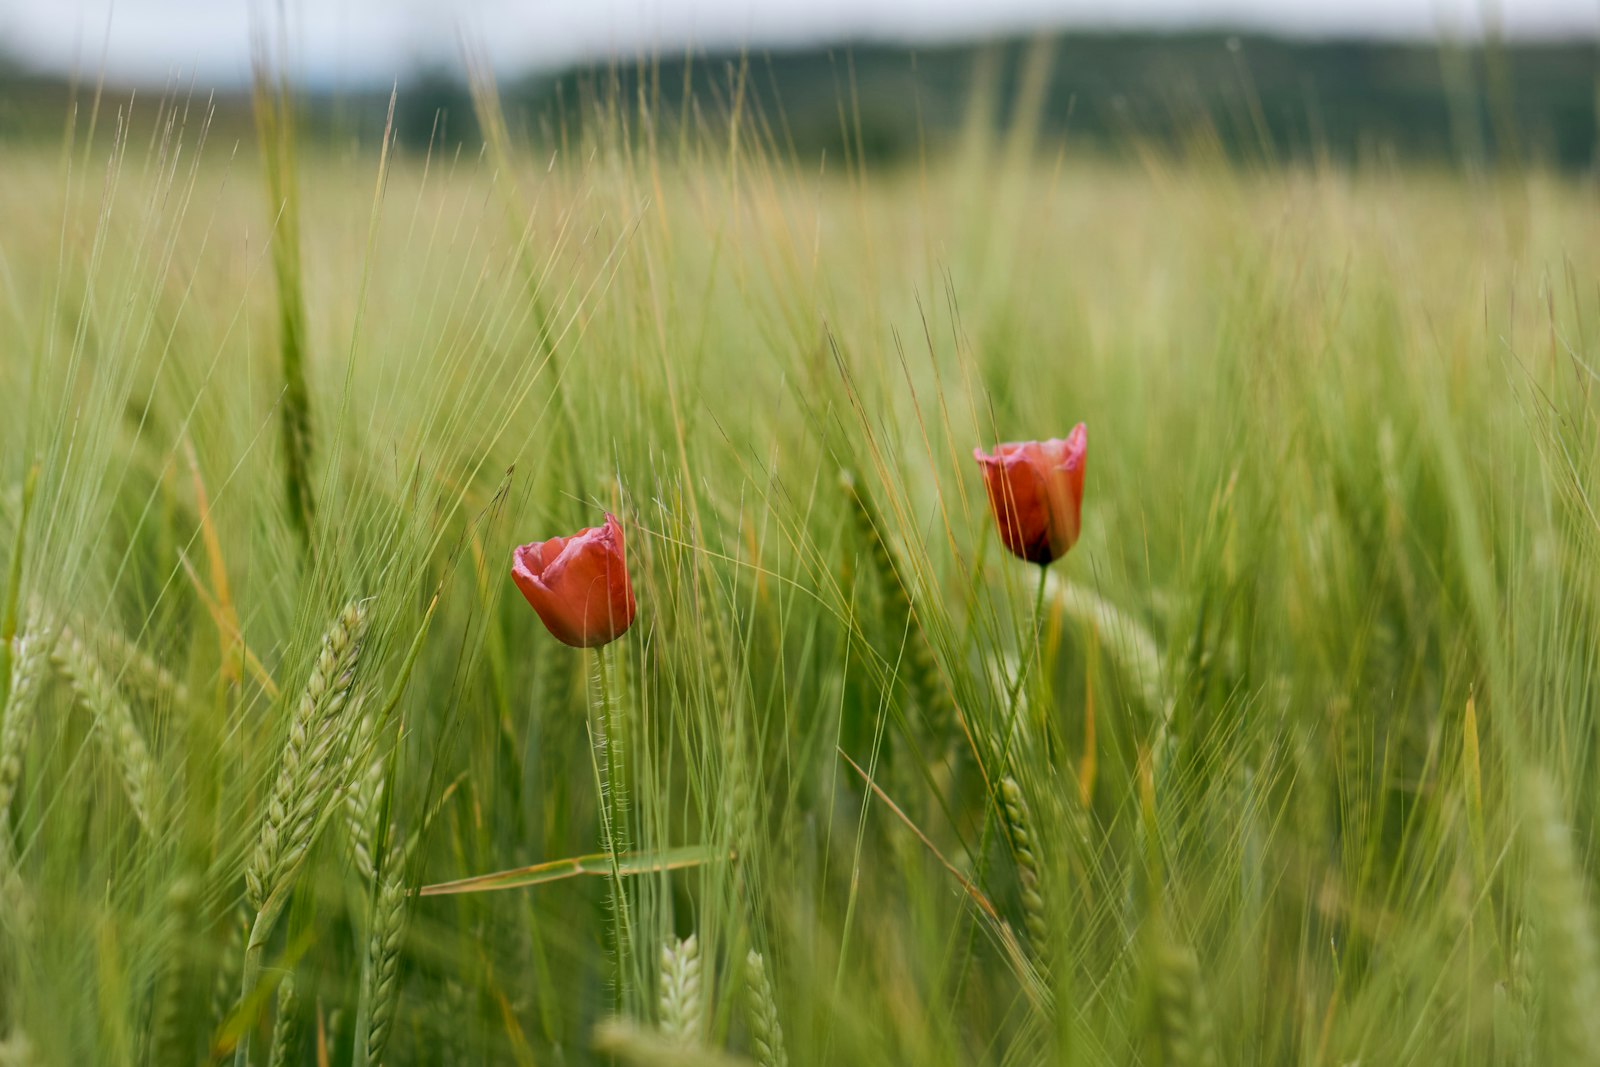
(599,864)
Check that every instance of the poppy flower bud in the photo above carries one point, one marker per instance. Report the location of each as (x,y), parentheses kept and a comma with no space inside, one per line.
(1036,493)
(578,584)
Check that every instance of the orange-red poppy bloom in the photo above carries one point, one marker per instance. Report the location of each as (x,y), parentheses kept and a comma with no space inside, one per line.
(1036,493)
(578,584)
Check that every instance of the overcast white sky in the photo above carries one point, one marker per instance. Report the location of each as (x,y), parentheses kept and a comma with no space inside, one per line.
(353,41)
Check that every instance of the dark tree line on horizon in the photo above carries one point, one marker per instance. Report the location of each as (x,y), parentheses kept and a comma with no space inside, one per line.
(1257,98)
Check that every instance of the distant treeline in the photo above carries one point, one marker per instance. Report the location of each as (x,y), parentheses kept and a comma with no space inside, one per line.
(1255,97)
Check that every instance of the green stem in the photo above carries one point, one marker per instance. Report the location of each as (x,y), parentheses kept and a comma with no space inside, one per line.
(607,720)
(358,1052)
(614,799)
(1028,655)
(249,975)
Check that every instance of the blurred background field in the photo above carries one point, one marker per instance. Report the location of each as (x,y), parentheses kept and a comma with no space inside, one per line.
(1301,765)
(1299,99)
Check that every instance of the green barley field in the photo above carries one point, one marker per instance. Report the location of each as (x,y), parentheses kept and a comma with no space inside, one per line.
(1295,762)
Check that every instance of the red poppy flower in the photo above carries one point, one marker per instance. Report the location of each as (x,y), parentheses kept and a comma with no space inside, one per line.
(578,584)
(1036,493)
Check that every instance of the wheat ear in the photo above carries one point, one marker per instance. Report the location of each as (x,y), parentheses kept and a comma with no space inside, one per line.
(114,721)
(381,975)
(1019,821)
(228,961)
(1183,1014)
(308,779)
(306,769)
(285,1026)
(363,797)
(761,1014)
(27,667)
(123,649)
(168,1026)
(681,993)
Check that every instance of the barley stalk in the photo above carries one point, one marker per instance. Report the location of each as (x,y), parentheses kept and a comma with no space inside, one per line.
(168,1031)
(681,1005)
(306,769)
(229,960)
(1567,941)
(1514,1036)
(27,667)
(9,613)
(337,1021)
(363,798)
(736,800)
(761,1014)
(1133,650)
(113,720)
(16,902)
(285,1027)
(1183,1015)
(308,780)
(274,117)
(1019,822)
(451,1020)
(123,649)
(926,684)
(380,991)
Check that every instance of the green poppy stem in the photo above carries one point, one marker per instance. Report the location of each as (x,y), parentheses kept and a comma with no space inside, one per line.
(608,720)
(1029,654)
(607,712)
